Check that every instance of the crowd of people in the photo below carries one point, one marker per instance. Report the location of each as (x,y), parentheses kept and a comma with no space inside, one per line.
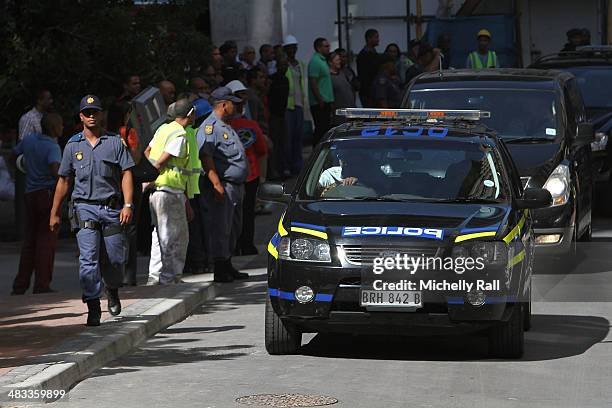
(239,121)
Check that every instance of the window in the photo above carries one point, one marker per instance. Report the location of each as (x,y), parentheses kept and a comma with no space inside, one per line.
(419,170)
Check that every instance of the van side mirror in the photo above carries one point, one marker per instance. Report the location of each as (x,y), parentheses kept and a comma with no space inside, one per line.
(534,198)
(586,133)
(274,192)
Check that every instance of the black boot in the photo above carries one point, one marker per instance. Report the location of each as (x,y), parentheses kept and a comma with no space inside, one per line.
(236,274)
(114,304)
(95,312)
(222,272)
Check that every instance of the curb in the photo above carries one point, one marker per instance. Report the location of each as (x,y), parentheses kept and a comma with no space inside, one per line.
(136,324)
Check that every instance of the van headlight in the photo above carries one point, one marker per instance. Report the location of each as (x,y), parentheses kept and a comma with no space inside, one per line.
(558,184)
(304,249)
(488,252)
(600,143)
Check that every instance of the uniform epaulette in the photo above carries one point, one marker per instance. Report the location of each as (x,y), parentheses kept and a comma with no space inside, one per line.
(76,138)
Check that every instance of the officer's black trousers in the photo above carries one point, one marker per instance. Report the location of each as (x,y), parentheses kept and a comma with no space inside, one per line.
(322,117)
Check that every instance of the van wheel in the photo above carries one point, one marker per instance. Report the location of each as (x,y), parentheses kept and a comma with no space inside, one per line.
(507,339)
(280,339)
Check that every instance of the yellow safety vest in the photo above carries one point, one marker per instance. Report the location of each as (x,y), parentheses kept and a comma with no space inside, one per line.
(177,171)
(194,160)
(291,97)
(477,63)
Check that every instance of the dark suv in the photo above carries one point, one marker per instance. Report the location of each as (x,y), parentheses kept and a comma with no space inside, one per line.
(540,115)
(592,67)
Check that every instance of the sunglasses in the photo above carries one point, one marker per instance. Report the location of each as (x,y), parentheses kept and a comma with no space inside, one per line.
(89,113)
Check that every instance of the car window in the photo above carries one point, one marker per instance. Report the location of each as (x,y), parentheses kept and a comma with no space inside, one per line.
(514,112)
(405,170)
(594,84)
(577,102)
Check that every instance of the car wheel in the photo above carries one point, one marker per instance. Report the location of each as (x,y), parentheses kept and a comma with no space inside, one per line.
(507,339)
(280,339)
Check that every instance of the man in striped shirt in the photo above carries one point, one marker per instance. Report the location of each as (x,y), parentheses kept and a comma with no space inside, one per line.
(30,121)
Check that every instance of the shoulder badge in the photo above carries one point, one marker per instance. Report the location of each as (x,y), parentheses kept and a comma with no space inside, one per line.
(208,129)
(225,135)
(79,156)
(76,138)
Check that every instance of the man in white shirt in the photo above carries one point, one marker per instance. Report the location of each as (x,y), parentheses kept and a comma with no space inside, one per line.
(170,209)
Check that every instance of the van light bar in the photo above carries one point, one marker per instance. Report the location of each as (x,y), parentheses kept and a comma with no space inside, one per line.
(412,114)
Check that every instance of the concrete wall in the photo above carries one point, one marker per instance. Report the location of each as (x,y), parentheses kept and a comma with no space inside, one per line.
(252,22)
(545,22)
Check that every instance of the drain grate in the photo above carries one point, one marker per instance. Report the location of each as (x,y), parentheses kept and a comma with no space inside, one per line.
(287,400)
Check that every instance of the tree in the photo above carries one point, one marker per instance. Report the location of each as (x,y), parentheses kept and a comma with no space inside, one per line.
(76,47)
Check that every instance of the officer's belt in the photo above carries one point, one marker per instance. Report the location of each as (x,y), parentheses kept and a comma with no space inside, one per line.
(232,182)
(112,202)
(107,230)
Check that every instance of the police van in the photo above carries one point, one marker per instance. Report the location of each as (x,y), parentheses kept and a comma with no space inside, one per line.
(407,222)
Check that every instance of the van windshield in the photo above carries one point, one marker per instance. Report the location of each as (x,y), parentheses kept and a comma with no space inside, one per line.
(515,113)
(405,170)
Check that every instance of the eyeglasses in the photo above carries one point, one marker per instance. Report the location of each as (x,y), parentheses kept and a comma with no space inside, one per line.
(89,113)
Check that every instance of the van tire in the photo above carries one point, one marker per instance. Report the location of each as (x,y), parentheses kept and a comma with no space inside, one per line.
(280,339)
(507,339)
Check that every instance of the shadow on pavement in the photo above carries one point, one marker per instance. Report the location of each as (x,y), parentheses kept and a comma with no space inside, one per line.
(161,356)
(232,296)
(552,337)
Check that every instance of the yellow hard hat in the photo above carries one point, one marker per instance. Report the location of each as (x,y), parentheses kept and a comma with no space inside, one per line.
(484,32)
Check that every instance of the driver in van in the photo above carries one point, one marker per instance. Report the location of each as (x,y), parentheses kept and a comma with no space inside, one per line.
(333,176)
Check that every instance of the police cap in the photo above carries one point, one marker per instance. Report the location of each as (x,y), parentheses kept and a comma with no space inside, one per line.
(223,93)
(90,102)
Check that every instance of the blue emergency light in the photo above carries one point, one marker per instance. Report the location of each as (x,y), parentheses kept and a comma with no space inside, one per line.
(427,115)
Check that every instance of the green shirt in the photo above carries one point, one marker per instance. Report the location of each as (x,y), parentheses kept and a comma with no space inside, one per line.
(318,69)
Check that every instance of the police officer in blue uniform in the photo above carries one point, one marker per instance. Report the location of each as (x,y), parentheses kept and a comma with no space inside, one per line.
(225,163)
(101,166)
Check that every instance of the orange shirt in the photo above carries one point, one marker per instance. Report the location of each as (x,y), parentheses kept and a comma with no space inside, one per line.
(132,140)
(254,151)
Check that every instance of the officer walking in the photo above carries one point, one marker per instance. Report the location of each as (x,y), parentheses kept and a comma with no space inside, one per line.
(482,57)
(101,166)
(226,167)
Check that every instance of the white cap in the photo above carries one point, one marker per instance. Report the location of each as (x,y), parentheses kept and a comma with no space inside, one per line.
(290,40)
(236,86)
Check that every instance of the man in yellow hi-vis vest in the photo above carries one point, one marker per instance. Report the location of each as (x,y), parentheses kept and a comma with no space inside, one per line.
(170,209)
(483,57)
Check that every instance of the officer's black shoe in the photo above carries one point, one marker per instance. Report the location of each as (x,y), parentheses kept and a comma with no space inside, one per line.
(95,312)
(222,273)
(236,274)
(114,304)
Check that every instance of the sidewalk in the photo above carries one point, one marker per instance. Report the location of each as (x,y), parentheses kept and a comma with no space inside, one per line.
(44,343)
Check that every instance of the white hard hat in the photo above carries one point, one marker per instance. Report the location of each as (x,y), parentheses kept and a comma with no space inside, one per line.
(236,86)
(290,40)
(20,163)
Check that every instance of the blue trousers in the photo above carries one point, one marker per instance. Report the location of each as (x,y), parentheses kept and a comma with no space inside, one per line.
(93,245)
(223,220)
(293,148)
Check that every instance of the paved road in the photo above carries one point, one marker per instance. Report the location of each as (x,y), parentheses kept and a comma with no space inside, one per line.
(218,355)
